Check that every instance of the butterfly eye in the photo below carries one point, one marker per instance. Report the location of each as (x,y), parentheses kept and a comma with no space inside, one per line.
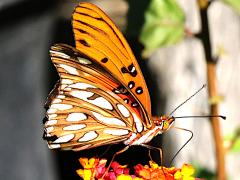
(165,125)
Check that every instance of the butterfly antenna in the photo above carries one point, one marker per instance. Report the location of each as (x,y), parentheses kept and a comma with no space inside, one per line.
(183,144)
(201,116)
(204,85)
(220,116)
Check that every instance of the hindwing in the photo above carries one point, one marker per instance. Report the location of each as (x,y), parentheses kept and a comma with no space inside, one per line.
(89,107)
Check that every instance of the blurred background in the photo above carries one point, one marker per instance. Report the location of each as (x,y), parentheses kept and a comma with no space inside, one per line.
(172,59)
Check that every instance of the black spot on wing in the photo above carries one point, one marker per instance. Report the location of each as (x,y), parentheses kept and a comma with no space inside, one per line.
(131,84)
(83,42)
(126,100)
(49,138)
(120,90)
(130,70)
(45,119)
(139,90)
(134,104)
(104,60)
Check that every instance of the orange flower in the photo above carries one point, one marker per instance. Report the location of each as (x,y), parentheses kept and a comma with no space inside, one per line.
(155,172)
(95,169)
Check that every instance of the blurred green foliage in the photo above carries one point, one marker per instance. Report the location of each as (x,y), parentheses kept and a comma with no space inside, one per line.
(233,140)
(164,25)
(235,4)
(204,173)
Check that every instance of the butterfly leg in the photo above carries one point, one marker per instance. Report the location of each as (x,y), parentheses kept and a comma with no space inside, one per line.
(105,151)
(149,154)
(189,139)
(117,153)
(154,148)
(160,152)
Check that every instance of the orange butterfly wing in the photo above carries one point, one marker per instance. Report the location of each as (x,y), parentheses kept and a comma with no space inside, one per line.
(97,37)
(83,111)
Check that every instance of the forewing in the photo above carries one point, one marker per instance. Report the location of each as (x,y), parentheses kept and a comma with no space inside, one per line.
(97,37)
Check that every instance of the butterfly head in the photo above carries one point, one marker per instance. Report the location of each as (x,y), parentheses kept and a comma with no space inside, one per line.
(164,122)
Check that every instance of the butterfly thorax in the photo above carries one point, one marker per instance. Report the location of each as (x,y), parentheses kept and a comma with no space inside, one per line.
(160,125)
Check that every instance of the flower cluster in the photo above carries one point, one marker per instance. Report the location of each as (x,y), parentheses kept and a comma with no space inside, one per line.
(95,168)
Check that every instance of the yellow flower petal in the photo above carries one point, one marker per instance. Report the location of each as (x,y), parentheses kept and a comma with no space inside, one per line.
(83,161)
(187,170)
(178,175)
(188,178)
(124,177)
(145,173)
(137,178)
(153,165)
(91,163)
(86,174)
(80,172)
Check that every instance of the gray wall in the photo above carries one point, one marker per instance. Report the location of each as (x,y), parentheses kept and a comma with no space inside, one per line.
(25,33)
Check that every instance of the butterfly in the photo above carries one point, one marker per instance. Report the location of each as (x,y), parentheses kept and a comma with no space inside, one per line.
(101,97)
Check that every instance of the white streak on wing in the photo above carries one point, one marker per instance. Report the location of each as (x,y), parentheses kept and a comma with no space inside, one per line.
(101,102)
(108,120)
(66,81)
(51,122)
(64,138)
(116,132)
(63,86)
(138,123)
(51,116)
(82,86)
(67,88)
(56,100)
(69,69)
(133,69)
(81,94)
(123,110)
(51,110)
(60,54)
(54,146)
(88,136)
(49,129)
(60,96)
(74,127)
(48,135)
(76,117)
(61,106)
(83,60)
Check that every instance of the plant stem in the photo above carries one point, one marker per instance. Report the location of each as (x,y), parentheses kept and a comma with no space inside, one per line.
(212,92)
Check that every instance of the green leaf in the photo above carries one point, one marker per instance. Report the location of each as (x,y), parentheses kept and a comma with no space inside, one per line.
(203,172)
(235,4)
(164,25)
(233,139)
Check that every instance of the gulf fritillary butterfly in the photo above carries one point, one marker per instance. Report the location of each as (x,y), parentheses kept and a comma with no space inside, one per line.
(101,97)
